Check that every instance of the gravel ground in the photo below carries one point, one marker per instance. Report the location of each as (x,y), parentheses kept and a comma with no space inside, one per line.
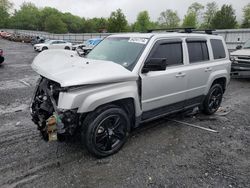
(158,154)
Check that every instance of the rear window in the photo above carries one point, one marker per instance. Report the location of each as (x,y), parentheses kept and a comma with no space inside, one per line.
(197,51)
(218,49)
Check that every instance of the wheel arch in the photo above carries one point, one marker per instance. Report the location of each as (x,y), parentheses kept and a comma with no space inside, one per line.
(127,104)
(126,97)
(222,81)
(220,77)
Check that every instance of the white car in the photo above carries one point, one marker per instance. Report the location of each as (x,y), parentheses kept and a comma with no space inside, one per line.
(53,44)
(126,80)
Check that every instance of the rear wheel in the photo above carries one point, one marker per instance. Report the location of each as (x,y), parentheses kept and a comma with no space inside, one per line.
(67,48)
(105,130)
(213,100)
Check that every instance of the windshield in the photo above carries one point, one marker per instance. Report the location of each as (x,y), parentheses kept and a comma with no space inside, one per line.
(121,50)
(246,45)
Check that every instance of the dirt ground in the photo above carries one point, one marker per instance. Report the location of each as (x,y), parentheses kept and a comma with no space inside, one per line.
(159,154)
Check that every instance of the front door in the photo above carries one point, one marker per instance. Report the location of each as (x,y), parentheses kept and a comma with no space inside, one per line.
(165,91)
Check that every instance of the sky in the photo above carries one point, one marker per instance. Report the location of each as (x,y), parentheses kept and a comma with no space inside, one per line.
(103,8)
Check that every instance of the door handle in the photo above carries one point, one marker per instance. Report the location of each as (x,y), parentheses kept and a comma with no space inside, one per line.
(180,74)
(208,69)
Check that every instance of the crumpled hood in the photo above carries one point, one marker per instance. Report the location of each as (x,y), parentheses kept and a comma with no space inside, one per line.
(242,52)
(69,69)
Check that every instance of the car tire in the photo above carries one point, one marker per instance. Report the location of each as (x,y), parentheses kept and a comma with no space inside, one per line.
(105,130)
(1,59)
(44,48)
(212,100)
(67,48)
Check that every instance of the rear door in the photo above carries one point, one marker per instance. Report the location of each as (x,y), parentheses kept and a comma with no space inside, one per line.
(165,91)
(199,69)
(205,57)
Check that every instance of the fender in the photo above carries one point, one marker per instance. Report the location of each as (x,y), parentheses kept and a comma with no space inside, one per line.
(215,75)
(91,97)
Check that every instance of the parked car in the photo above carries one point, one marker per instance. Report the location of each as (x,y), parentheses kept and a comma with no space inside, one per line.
(5,35)
(241,61)
(89,44)
(53,44)
(1,56)
(124,81)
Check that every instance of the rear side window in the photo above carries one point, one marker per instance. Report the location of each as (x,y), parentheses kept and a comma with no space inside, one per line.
(218,49)
(197,51)
(171,51)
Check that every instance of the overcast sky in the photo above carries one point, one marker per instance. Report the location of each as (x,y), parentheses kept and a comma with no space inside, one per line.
(103,8)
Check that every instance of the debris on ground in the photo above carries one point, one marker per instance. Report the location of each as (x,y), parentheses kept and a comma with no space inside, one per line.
(223,111)
(192,125)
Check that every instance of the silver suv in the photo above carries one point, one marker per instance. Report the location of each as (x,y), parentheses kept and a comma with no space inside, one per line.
(125,80)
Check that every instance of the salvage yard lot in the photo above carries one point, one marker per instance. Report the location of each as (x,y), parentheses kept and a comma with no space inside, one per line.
(162,153)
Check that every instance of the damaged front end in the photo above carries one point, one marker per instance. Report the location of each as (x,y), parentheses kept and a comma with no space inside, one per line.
(53,123)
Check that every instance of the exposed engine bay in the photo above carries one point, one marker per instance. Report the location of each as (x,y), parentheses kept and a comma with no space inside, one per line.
(51,121)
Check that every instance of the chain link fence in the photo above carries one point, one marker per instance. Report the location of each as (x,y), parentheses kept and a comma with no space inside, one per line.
(233,37)
(70,37)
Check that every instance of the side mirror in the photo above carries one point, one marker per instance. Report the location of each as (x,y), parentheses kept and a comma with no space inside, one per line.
(238,47)
(154,64)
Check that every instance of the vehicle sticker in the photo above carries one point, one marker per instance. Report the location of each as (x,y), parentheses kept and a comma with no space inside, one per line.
(138,40)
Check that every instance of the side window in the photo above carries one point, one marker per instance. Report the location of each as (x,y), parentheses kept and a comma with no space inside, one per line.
(171,51)
(54,42)
(197,51)
(218,49)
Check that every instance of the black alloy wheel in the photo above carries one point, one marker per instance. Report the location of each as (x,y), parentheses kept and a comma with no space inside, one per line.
(110,133)
(105,130)
(213,99)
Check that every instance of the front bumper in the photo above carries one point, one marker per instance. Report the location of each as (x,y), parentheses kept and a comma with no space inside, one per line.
(240,70)
(38,49)
(50,120)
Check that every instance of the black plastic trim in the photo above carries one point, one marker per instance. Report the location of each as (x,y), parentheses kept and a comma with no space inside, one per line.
(172,108)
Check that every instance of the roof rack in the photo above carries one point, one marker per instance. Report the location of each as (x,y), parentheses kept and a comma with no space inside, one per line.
(184,30)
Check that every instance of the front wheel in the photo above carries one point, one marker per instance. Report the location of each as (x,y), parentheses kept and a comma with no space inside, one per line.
(44,48)
(213,100)
(67,48)
(105,130)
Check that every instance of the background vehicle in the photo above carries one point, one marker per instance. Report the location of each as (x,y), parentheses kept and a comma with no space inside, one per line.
(1,56)
(5,35)
(241,61)
(89,44)
(53,44)
(125,80)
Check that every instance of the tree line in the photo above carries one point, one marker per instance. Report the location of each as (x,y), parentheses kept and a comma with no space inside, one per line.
(30,17)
